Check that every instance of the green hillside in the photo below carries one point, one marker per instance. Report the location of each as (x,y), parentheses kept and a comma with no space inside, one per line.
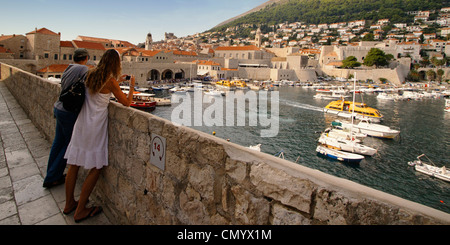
(332,11)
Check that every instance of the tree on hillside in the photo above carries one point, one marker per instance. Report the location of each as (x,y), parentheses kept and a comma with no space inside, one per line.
(376,57)
(350,62)
(440,74)
(413,76)
(431,74)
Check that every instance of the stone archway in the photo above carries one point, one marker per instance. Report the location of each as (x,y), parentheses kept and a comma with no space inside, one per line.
(167,74)
(154,75)
(180,74)
(423,75)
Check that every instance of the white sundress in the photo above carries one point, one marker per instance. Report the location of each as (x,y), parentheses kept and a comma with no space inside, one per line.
(88,147)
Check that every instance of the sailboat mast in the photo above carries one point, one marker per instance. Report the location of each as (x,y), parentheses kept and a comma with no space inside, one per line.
(353,107)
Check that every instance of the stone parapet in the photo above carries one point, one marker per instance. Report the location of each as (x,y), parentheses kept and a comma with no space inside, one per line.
(207,180)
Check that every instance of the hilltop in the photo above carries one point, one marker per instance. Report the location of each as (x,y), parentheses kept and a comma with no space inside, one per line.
(330,11)
(260,7)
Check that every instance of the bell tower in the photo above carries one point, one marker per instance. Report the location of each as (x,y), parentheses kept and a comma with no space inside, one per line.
(148,42)
(258,38)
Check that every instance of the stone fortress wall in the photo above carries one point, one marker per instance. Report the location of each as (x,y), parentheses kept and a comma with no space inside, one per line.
(207,180)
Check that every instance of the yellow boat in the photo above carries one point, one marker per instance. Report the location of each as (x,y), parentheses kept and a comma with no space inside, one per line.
(344,108)
(226,84)
(241,84)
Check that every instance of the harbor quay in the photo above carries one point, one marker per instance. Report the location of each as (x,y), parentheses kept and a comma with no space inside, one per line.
(160,173)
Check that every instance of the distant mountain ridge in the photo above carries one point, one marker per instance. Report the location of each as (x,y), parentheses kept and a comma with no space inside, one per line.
(331,11)
(262,6)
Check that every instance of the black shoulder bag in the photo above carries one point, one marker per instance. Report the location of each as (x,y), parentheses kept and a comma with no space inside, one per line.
(73,96)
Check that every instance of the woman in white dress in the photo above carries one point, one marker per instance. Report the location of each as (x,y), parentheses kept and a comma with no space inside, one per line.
(88,147)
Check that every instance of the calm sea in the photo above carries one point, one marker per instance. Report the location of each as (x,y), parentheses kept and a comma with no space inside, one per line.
(424,126)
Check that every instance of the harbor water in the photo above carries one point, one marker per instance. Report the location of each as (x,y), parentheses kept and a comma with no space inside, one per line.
(424,126)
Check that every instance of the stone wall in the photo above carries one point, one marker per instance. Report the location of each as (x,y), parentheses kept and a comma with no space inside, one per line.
(394,76)
(210,181)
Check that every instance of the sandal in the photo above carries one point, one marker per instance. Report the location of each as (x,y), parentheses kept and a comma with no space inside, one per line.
(71,210)
(94,211)
(74,208)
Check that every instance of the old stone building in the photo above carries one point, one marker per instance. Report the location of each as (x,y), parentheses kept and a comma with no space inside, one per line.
(43,53)
(16,44)
(43,44)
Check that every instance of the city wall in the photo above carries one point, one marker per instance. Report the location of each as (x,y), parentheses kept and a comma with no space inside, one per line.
(396,76)
(207,180)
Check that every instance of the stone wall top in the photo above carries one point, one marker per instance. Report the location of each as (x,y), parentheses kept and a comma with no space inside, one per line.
(208,180)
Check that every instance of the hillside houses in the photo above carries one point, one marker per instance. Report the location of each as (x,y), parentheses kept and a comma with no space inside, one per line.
(281,51)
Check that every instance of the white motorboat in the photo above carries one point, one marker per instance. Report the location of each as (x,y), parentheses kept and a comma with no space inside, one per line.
(339,155)
(214,93)
(347,145)
(177,90)
(371,129)
(388,96)
(331,94)
(344,135)
(255,147)
(430,169)
(188,89)
(447,105)
(354,133)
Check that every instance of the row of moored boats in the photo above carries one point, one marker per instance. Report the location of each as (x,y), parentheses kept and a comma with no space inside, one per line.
(343,141)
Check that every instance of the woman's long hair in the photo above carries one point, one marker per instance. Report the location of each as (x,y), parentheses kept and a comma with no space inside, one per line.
(108,67)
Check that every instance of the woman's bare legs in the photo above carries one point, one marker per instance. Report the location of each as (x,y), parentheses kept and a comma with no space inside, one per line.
(71,180)
(86,191)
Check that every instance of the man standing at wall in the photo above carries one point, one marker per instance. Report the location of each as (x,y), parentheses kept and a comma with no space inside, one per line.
(65,121)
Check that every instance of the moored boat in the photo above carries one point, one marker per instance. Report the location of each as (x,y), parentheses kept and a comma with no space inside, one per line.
(177,90)
(430,169)
(226,84)
(360,111)
(241,84)
(347,145)
(143,101)
(344,135)
(339,155)
(371,129)
(447,105)
(214,93)
(331,94)
(255,147)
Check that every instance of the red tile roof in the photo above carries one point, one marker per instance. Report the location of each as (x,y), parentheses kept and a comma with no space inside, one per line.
(5,37)
(4,50)
(237,48)
(137,52)
(88,45)
(125,44)
(43,31)
(178,52)
(207,63)
(66,44)
(54,68)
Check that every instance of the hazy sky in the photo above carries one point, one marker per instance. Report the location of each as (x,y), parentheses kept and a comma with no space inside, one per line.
(128,20)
